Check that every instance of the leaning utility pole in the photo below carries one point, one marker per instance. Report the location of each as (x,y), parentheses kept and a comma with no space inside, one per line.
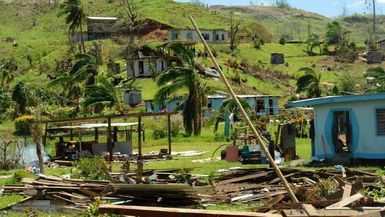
(374,18)
(246,117)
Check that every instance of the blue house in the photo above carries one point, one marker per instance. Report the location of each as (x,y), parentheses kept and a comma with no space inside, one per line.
(262,104)
(348,127)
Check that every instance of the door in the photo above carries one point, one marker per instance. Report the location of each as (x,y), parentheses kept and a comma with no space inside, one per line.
(342,132)
(141,67)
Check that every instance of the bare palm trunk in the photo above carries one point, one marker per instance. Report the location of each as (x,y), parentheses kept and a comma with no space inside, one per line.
(36,137)
(81,37)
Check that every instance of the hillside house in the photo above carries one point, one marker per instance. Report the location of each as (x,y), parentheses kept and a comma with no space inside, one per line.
(347,128)
(211,36)
(261,104)
(381,45)
(101,27)
(147,62)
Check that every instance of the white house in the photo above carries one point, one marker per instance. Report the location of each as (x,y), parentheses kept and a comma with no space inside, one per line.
(211,36)
(261,104)
(146,63)
(348,127)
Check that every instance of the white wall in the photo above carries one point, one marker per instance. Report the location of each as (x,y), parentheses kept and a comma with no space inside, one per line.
(366,143)
(146,66)
(183,35)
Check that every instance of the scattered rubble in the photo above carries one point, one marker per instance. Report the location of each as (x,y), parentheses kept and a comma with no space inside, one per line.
(321,192)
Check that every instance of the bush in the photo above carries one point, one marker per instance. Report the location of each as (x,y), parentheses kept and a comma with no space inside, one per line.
(219,137)
(158,133)
(94,168)
(176,125)
(22,124)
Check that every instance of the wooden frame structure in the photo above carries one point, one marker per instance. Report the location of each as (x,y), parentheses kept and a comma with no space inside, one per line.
(108,120)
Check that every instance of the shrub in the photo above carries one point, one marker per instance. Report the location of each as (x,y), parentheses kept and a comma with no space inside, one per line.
(219,137)
(22,124)
(94,168)
(176,125)
(158,133)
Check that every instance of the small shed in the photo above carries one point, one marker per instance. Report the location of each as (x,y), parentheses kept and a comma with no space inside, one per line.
(381,45)
(277,58)
(348,127)
(374,57)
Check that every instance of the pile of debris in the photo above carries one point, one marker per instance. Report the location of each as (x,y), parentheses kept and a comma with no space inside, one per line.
(323,189)
(52,193)
(320,193)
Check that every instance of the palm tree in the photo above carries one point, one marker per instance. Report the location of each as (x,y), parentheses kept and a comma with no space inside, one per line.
(106,93)
(309,82)
(7,70)
(312,42)
(229,106)
(335,35)
(82,73)
(378,73)
(73,10)
(184,82)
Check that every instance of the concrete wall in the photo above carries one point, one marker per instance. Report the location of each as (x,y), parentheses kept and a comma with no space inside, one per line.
(211,36)
(147,66)
(365,142)
(216,104)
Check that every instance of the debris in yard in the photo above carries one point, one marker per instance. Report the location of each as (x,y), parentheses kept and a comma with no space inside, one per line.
(320,192)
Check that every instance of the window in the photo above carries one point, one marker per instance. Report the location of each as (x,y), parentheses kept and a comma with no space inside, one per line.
(217,37)
(380,113)
(206,36)
(260,106)
(210,104)
(174,36)
(271,106)
(189,36)
(141,68)
(223,37)
(162,65)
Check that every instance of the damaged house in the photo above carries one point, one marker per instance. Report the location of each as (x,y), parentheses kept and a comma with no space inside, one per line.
(348,128)
(211,36)
(146,62)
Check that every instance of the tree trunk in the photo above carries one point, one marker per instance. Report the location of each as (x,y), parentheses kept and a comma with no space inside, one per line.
(36,137)
(81,37)
(130,55)
(40,157)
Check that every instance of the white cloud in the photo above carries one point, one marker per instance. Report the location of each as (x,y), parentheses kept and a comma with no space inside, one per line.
(357,3)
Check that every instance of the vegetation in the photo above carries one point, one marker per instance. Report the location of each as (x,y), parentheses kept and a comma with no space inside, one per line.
(178,79)
(309,82)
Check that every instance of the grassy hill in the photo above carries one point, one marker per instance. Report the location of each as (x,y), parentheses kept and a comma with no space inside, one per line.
(41,35)
(297,23)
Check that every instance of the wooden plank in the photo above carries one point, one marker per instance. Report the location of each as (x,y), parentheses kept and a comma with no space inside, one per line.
(142,211)
(244,178)
(346,201)
(347,191)
(331,213)
(310,210)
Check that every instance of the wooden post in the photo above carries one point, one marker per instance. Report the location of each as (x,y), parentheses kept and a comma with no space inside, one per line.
(109,142)
(96,134)
(246,117)
(139,137)
(71,135)
(45,135)
(169,133)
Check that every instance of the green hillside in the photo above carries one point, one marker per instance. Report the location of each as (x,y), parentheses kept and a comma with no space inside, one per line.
(298,23)
(41,36)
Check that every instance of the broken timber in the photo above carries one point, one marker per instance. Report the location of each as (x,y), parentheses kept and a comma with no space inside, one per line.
(246,117)
(141,211)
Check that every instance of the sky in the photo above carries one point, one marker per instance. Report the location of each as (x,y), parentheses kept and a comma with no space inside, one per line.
(329,8)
